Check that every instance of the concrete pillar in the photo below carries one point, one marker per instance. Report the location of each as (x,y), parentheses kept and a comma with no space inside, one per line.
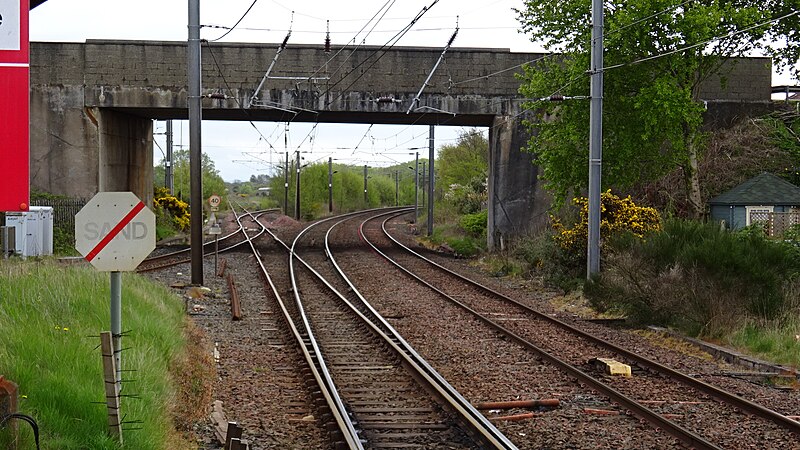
(517,202)
(64,142)
(126,154)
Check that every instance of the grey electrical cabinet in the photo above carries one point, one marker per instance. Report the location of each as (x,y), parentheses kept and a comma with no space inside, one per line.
(33,231)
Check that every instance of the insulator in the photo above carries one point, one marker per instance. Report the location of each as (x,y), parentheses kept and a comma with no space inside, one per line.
(328,38)
(557,98)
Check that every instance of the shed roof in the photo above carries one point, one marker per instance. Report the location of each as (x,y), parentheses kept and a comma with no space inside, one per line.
(764,189)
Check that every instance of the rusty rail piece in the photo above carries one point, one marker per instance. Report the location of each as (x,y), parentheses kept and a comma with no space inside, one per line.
(709,389)
(713,391)
(222,266)
(686,436)
(511,404)
(152,263)
(236,307)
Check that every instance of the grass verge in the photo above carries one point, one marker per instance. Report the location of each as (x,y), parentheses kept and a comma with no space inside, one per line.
(51,316)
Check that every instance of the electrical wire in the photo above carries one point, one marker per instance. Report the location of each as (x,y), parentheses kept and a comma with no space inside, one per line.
(487,76)
(275,30)
(390,3)
(636,22)
(362,138)
(237,22)
(698,44)
(385,48)
(246,113)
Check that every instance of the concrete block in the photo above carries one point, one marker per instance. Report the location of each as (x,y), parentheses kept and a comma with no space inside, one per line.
(612,367)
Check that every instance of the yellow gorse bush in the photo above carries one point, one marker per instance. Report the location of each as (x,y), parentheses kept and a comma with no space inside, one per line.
(175,207)
(616,215)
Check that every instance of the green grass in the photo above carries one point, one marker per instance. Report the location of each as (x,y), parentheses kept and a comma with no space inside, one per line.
(778,343)
(50,318)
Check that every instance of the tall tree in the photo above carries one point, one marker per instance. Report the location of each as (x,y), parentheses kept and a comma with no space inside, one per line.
(657,54)
(212,181)
(465,160)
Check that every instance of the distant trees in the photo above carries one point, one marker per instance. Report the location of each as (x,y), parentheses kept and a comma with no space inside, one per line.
(212,181)
(463,169)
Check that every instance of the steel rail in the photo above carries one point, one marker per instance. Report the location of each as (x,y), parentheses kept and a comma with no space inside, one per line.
(686,436)
(470,416)
(312,360)
(711,390)
(206,245)
(476,421)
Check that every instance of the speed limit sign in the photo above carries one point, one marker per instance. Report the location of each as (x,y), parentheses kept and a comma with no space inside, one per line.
(214,201)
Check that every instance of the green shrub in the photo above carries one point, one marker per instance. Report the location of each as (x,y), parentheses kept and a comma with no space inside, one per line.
(475,224)
(564,268)
(466,246)
(698,277)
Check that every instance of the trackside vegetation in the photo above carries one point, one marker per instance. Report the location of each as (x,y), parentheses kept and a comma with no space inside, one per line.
(740,287)
(50,319)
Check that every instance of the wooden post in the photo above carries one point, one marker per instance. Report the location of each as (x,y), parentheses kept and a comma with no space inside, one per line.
(111,385)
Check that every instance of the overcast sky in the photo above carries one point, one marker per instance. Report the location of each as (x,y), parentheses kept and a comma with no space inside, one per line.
(236,148)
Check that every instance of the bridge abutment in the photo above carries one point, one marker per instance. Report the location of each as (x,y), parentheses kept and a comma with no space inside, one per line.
(517,203)
(125,147)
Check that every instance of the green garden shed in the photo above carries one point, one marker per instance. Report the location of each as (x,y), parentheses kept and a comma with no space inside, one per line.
(763,198)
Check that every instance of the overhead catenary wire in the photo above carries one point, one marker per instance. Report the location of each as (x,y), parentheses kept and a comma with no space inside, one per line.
(384,49)
(362,138)
(385,9)
(246,113)
(238,21)
(705,42)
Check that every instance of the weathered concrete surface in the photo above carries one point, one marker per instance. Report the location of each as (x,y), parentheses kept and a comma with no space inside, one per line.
(126,154)
(64,151)
(517,202)
(92,102)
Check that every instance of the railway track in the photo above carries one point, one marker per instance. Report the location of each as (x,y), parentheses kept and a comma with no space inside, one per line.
(708,423)
(374,378)
(337,358)
(229,242)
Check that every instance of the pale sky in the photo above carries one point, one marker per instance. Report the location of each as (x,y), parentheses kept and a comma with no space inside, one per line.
(236,148)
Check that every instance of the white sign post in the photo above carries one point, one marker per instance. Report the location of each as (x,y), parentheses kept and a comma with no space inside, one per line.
(115,232)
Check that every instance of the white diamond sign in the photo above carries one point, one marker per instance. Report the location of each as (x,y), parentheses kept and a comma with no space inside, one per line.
(115,231)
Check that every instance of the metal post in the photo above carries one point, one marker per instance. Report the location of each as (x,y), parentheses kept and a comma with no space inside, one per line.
(330,184)
(595,139)
(169,180)
(416,188)
(396,188)
(195,151)
(116,321)
(431,180)
(366,201)
(297,190)
(424,167)
(286,186)
(216,251)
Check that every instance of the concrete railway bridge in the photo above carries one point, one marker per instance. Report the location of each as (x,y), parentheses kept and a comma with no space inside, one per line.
(93,106)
